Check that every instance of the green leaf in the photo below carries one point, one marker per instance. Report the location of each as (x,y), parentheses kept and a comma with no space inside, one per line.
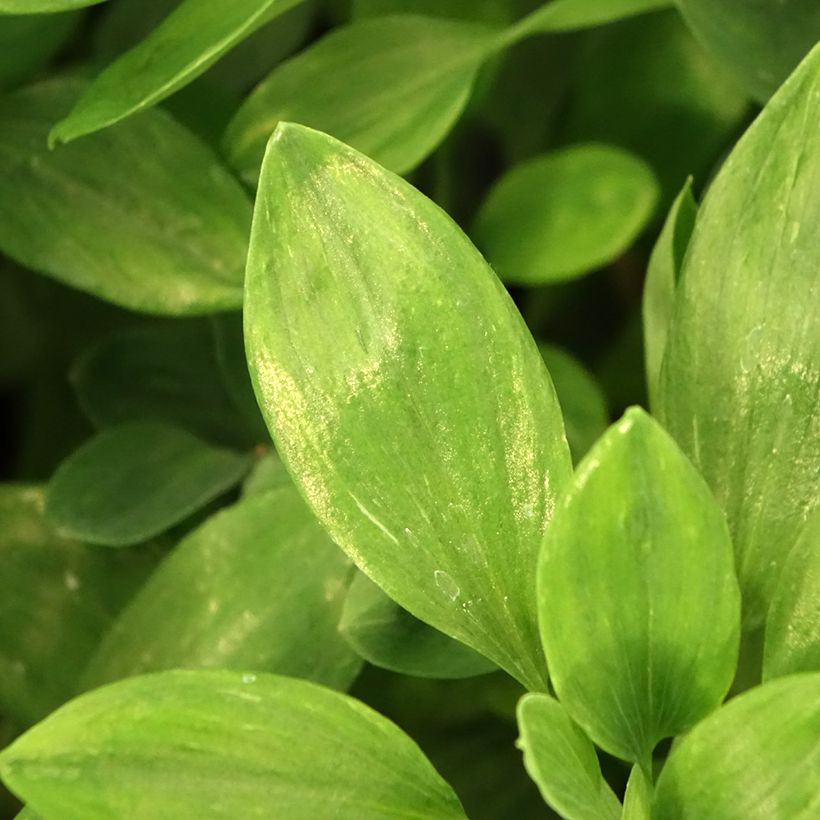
(638,797)
(107,217)
(760,42)
(135,480)
(29,41)
(792,641)
(564,214)
(41,6)
(57,598)
(560,758)
(165,372)
(222,745)
(636,546)
(426,435)
(581,398)
(391,87)
(257,586)
(388,636)
(569,15)
(739,382)
(269,473)
(662,277)
(756,758)
(487,11)
(193,37)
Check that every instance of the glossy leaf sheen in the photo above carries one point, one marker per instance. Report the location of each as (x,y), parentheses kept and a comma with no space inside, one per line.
(166,745)
(662,277)
(564,214)
(635,548)
(193,37)
(740,381)
(793,625)
(105,215)
(756,758)
(135,480)
(163,372)
(57,598)
(390,87)
(561,759)
(388,636)
(404,393)
(760,41)
(258,586)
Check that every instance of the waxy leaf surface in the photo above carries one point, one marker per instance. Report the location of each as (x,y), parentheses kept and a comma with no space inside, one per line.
(793,625)
(258,586)
(756,758)
(638,545)
(759,41)
(57,598)
(133,481)
(223,745)
(404,393)
(388,636)
(143,215)
(193,37)
(390,87)
(564,214)
(561,759)
(662,280)
(740,380)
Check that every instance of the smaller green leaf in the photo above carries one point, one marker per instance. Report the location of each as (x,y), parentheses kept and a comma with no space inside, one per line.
(569,15)
(581,398)
(662,279)
(390,87)
(564,214)
(57,598)
(792,642)
(193,37)
(223,745)
(165,372)
(636,546)
(43,6)
(638,797)
(29,41)
(269,473)
(257,586)
(388,636)
(561,759)
(106,216)
(135,480)
(756,758)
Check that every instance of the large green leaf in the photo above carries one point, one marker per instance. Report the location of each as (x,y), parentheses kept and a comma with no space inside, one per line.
(135,480)
(57,598)
(581,398)
(29,41)
(662,277)
(257,586)
(760,41)
(42,6)
(404,393)
(193,37)
(757,758)
(739,386)
(636,546)
(166,372)
(222,745)
(566,213)
(561,759)
(793,625)
(388,636)
(391,87)
(143,215)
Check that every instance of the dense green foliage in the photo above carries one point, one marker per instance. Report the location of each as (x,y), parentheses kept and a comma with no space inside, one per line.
(384,380)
